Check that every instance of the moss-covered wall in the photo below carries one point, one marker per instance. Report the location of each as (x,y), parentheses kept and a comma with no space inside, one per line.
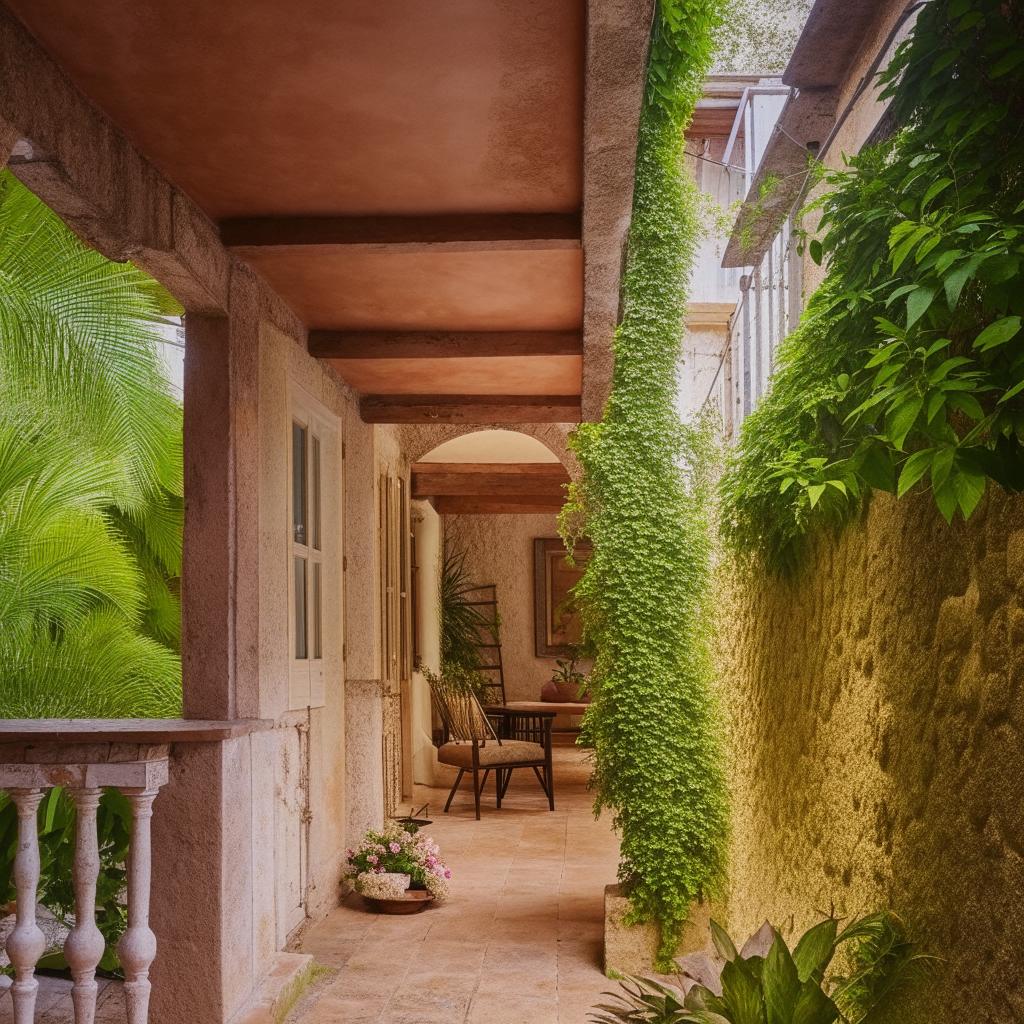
(877,737)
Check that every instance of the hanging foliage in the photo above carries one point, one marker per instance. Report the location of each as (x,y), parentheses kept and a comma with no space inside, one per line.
(907,372)
(652,722)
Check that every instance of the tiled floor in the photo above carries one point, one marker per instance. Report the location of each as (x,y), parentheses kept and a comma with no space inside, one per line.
(519,942)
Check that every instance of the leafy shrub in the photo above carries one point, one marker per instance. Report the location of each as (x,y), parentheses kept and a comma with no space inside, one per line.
(767,983)
(907,371)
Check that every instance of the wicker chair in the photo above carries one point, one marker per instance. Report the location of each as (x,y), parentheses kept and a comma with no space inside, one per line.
(473,744)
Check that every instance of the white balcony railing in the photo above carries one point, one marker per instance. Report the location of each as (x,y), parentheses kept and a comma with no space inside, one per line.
(83,770)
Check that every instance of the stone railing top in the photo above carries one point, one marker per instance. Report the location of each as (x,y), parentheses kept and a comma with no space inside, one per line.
(127,730)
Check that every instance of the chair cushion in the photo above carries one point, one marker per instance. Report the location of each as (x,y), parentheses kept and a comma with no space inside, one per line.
(491,753)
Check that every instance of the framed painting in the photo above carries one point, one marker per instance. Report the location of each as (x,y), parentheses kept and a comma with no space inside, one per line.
(557,627)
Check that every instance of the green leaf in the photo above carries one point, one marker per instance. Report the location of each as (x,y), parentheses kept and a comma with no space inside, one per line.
(953,283)
(876,468)
(816,251)
(936,402)
(941,465)
(967,404)
(969,488)
(883,354)
(946,500)
(813,1006)
(814,493)
(934,189)
(815,949)
(946,260)
(942,370)
(890,327)
(725,946)
(918,303)
(899,293)
(998,333)
(913,469)
(780,983)
(1013,392)
(900,421)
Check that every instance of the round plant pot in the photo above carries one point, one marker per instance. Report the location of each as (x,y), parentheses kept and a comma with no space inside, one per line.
(412,902)
(562,693)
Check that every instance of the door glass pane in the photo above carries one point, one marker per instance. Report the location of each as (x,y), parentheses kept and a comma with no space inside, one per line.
(299,483)
(317,612)
(301,643)
(314,499)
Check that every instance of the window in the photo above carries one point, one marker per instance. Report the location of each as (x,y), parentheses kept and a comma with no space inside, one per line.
(769,309)
(312,439)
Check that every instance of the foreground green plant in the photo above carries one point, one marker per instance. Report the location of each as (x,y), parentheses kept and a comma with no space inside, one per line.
(907,371)
(652,721)
(767,983)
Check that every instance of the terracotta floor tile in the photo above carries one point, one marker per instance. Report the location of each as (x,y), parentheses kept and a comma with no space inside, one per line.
(518,943)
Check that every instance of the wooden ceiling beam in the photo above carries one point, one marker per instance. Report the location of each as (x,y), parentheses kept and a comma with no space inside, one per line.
(443,344)
(470,408)
(465,232)
(485,480)
(464,506)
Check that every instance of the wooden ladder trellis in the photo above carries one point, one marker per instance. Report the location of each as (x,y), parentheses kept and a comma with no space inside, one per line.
(489,642)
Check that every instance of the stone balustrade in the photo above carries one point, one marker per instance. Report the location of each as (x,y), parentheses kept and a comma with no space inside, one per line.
(84,758)
(84,772)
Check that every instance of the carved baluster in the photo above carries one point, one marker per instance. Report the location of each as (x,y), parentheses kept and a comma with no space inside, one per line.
(25,945)
(84,946)
(137,948)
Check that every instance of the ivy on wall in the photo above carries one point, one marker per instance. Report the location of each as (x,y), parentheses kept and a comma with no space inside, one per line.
(653,722)
(907,371)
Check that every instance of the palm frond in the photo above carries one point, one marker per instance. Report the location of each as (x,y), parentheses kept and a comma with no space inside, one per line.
(101,667)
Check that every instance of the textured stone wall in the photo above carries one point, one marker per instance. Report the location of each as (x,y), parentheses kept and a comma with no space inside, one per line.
(877,737)
(499,549)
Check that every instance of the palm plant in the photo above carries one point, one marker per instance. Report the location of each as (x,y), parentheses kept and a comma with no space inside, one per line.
(462,621)
(90,479)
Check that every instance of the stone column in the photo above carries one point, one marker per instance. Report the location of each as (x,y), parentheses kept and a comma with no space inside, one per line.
(364,764)
(207,620)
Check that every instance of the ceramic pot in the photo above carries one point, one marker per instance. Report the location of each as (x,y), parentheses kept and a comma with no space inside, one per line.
(561,693)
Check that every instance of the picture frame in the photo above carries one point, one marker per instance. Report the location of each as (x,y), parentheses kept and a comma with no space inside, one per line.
(557,629)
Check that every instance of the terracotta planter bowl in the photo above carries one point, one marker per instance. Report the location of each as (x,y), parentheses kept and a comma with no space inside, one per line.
(412,902)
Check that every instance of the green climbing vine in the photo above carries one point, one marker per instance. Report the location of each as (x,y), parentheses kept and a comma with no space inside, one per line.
(907,371)
(653,721)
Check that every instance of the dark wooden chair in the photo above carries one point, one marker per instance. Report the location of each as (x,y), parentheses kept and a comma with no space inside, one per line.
(475,745)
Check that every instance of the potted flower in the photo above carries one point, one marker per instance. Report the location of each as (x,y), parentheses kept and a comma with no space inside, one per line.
(567,684)
(398,870)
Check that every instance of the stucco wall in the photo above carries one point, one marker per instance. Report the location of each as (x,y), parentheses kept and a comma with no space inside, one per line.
(499,549)
(877,736)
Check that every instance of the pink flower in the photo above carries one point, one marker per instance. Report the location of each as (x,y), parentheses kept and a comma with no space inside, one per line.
(447,873)
(394,847)
(372,858)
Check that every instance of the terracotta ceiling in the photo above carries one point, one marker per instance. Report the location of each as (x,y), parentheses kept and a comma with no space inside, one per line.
(400,168)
